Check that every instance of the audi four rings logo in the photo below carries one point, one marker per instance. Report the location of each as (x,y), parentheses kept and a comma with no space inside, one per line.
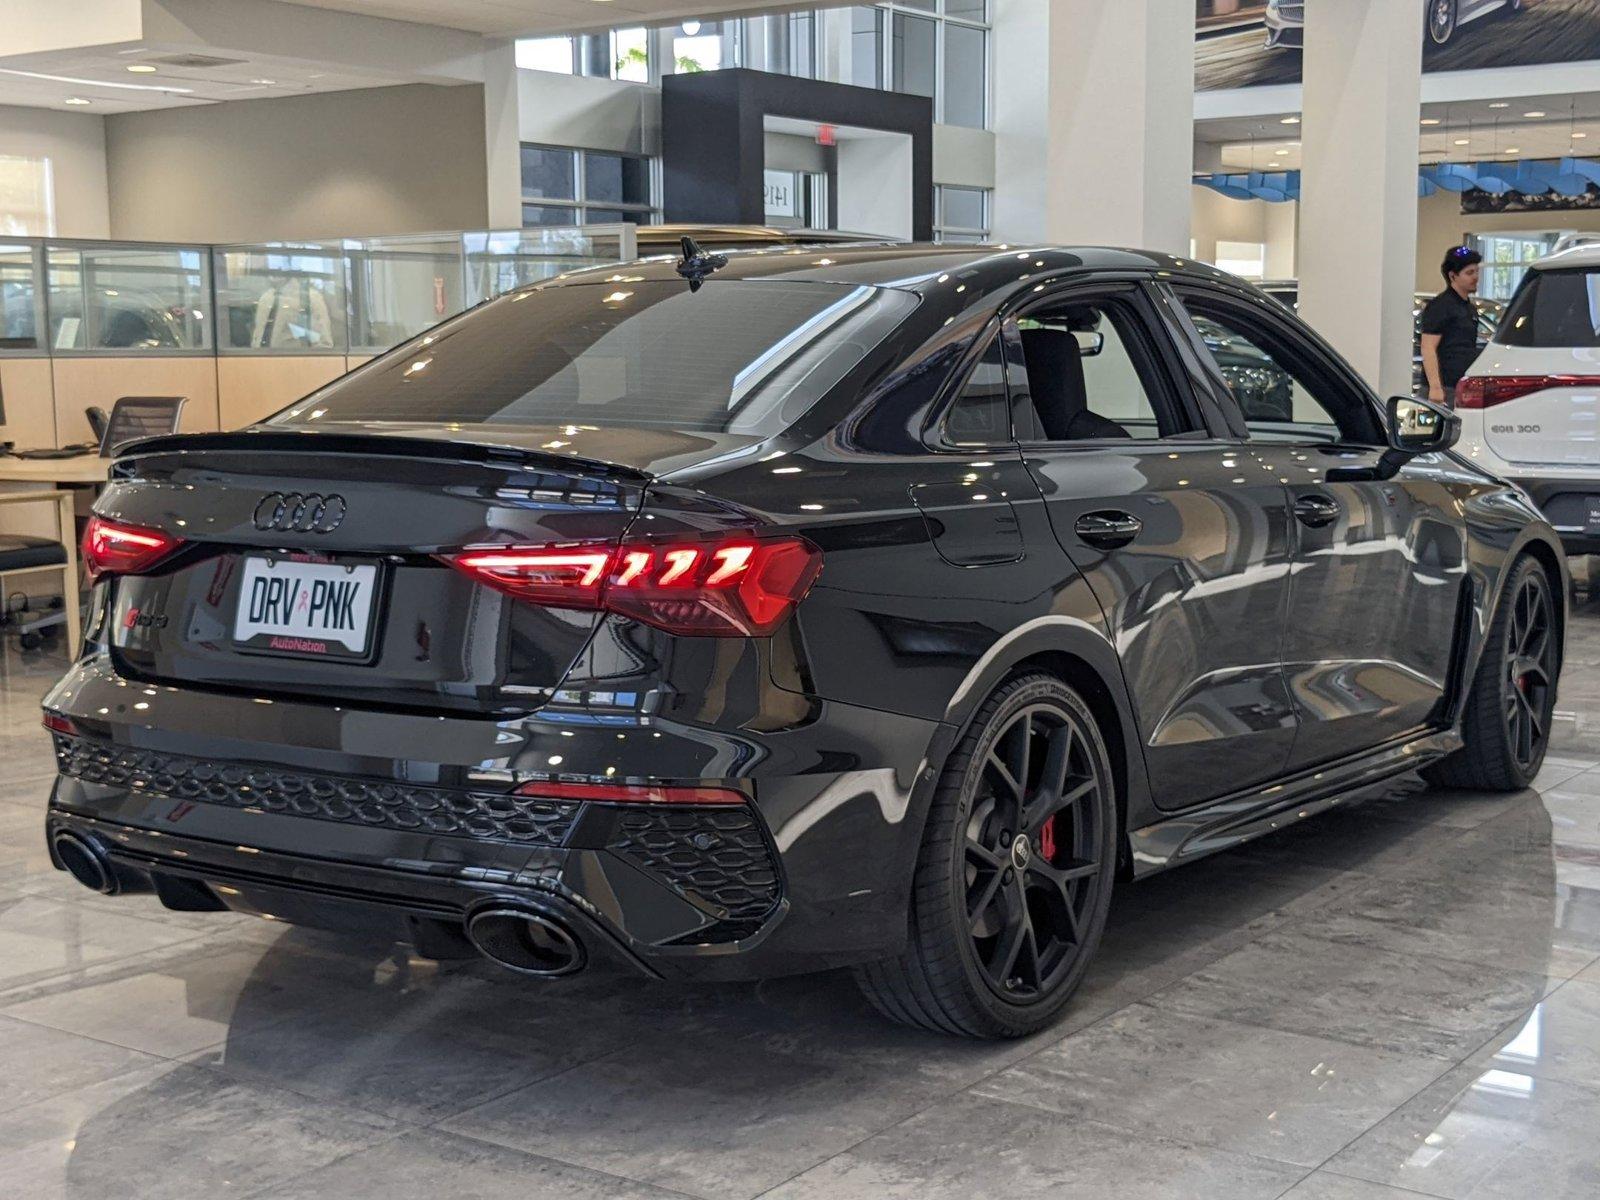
(291,512)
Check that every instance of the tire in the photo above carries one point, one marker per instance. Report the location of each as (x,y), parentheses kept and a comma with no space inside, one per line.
(1505,721)
(1041,905)
(1439,19)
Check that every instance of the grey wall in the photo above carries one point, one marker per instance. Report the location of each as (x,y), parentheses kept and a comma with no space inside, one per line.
(401,159)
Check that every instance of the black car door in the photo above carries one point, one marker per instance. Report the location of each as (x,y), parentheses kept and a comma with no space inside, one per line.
(1185,545)
(1379,564)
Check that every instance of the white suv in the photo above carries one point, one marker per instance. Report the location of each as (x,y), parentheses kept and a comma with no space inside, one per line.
(1530,405)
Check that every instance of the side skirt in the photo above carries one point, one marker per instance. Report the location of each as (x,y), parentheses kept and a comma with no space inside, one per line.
(1219,824)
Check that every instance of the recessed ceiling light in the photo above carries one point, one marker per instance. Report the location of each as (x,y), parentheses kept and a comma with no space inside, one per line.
(265,82)
(1534,113)
(1501,104)
(1513,150)
(1289,121)
(1580,135)
(1463,142)
(75,100)
(142,69)
(1280,152)
(1430,120)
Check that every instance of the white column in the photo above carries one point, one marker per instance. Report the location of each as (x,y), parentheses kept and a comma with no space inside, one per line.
(1094,121)
(1358,208)
(502,135)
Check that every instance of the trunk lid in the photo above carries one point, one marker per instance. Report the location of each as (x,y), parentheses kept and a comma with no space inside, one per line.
(1555,425)
(373,508)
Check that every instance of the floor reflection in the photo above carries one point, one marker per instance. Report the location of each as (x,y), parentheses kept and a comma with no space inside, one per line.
(1402,996)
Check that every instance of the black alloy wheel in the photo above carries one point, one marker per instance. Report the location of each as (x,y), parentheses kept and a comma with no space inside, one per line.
(1506,713)
(1528,695)
(1016,872)
(1032,852)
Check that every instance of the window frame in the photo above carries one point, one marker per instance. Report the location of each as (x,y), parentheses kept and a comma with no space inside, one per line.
(581,203)
(1307,351)
(1155,348)
(941,227)
(889,9)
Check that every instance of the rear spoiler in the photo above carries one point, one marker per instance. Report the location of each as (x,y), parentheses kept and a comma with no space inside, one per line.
(448,447)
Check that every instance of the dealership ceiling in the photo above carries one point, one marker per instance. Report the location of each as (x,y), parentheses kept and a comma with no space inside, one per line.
(518,18)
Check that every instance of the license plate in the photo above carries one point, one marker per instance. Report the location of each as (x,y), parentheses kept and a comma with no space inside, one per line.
(310,609)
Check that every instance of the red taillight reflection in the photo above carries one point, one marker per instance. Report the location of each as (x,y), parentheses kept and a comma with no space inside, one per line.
(117,548)
(629,793)
(740,588)
(1486,391)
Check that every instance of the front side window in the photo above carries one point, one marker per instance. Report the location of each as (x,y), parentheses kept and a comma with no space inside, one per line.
(739,355)
(1092,374)
(1284,391)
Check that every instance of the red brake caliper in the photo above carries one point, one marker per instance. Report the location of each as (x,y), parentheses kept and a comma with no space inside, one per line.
(1047,839)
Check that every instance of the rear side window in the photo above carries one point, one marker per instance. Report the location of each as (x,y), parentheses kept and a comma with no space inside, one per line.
(739,356)
(1554,308)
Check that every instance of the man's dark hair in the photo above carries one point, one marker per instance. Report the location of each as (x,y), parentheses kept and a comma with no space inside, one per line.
(1457,259)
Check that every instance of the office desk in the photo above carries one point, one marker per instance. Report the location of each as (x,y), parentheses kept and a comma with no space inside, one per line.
(85,470)
(83,475)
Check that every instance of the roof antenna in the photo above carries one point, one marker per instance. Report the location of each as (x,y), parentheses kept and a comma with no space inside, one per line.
(696,263)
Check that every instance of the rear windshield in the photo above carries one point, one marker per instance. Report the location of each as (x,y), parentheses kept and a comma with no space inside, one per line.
(737,356)
(1554,308)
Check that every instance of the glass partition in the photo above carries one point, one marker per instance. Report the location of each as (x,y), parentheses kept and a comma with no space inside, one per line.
(399,286)
(19,298)
(280,297)
(128,298)
(499,261)
(359,295)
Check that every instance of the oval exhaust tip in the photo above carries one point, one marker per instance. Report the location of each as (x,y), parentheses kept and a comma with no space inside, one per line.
(529,942)
(84,863)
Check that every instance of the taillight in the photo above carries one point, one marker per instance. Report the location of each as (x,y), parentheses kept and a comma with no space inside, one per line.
(1485,391)
(57,723)
(743,587)
(628,793)
(117,548)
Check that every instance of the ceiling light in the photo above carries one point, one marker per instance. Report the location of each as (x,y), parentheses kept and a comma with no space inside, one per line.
(142,69)
(1501,104)
(1512,150)
(1430,120)
(690,28)
(1535,113)
(1580,134)
(1290,121)
(97,83)
(75,100)
(1463,141)
(1280,152)
(265,82)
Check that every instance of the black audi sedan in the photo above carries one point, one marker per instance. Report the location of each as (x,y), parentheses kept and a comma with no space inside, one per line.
(792,609)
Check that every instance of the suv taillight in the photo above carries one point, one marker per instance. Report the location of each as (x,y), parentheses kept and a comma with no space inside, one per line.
(1486,391)
(117,548)
(742,587)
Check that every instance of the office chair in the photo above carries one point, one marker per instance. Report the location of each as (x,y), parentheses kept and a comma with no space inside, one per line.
(135,417)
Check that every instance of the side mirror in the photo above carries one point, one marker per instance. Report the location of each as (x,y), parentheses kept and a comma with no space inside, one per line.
(1418,426)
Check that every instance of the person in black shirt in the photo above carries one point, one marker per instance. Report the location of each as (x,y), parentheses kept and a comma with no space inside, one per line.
(1450,325)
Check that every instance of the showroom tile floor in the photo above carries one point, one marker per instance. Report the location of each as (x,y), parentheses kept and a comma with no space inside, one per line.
(1399,998)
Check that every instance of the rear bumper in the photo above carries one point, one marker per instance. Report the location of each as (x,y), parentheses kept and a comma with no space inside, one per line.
(306,823)
(1564,501)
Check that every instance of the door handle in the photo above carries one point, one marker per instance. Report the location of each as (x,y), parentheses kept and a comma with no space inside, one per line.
(1315,510)
(1108,529)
